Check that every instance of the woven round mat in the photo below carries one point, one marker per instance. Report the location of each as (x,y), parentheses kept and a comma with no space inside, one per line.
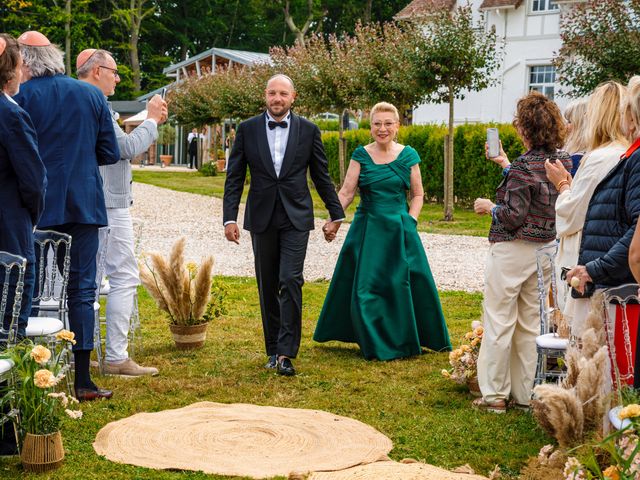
(388,470)
(241,439)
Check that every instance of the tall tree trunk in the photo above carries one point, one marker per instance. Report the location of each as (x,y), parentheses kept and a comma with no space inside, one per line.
(67,37)
(298,32)
(366,18)
(448,180)
(136,20)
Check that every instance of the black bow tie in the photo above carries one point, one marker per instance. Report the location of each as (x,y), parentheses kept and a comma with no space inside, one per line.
(273,124)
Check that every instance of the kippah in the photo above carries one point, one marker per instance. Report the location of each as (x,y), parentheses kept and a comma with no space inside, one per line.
(83,56)
(33,39)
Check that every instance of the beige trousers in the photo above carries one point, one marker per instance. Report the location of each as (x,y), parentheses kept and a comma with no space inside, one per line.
(507,360)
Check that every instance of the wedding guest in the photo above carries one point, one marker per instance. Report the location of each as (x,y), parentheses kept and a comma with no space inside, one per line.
(606,258)
(605,143)
(23,179)
(576,142)
(523,219)
(390,307)
(75,135)
(99,68)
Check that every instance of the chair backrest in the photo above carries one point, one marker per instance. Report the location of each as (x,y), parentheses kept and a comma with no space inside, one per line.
(618,332)
(53,260)
(101,257)
(545,262)
(12,270)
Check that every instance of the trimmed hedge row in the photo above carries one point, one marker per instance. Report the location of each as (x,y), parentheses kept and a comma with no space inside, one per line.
(474,175)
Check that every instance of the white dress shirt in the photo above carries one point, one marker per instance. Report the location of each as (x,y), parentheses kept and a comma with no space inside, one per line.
(277,138)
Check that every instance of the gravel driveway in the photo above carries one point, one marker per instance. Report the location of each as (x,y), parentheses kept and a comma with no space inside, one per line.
(457,261)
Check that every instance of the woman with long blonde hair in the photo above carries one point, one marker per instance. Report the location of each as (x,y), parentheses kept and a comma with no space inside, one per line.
(605,143)
(576,143)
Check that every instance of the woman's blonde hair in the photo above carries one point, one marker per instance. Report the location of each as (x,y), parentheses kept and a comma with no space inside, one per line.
(632,103)
(384,107)
(576,115)
(604,115)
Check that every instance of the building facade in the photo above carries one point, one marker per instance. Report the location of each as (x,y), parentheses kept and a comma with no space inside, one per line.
(530,30)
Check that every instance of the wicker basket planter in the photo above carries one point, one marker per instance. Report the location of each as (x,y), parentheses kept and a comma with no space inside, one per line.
(188,337)
(42,453)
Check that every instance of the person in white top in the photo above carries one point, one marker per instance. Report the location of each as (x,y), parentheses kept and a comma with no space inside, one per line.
(606,142)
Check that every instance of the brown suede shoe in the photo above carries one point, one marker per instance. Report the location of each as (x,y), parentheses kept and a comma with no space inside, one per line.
(89,394)
(128,368)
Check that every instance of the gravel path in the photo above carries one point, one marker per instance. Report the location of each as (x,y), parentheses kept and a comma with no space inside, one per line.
(457,261)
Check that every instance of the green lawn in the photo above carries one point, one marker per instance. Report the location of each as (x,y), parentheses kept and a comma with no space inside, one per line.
(466,222)
(426,416)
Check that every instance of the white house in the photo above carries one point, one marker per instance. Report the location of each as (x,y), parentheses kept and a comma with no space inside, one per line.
(530,30)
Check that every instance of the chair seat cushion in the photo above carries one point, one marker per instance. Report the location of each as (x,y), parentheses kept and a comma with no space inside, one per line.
(5,365)
(552,341)
(39,326)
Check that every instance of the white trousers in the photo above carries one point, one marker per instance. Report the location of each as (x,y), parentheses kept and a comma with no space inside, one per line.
(507,360)
(121,267)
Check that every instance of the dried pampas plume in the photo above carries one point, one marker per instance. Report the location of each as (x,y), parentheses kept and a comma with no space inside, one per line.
(590,343)
(572,361)
(171,284)
(589,388)
(559,412)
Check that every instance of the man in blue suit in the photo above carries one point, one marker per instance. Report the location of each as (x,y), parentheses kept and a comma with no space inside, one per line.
(75,135)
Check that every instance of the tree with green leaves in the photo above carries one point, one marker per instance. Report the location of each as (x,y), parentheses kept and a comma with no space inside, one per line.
(600,42)
(458,56)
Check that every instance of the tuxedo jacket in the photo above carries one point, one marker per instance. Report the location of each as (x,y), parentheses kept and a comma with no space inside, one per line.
(75,135)
(22,180)
(304,152)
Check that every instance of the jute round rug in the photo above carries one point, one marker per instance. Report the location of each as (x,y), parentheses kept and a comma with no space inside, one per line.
(388,470)
(241,439)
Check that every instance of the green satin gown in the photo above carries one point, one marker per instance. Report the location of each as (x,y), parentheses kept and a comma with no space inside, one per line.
(382,295)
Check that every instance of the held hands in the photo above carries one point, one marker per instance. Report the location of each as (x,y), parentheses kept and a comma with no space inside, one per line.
(157,109)
(501,159)
(483,206)
(232,232)
(330,229)
(578,277)
(556,173)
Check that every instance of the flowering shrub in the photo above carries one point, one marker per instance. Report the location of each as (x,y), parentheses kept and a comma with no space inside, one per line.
(621,449)
(464,359)
(39,372)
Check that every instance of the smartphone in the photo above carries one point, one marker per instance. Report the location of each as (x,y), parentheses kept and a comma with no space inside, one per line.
(493,141)
(164,92)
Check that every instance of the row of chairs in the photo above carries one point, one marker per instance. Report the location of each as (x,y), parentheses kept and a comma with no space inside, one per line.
(620,327)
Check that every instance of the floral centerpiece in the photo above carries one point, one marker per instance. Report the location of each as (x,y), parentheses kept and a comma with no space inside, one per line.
(183,291)
(464,359)
(37,399)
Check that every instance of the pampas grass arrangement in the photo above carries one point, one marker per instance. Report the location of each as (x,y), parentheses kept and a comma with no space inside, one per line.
(183,291)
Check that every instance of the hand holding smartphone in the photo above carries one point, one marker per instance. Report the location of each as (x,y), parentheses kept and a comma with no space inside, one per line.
(493,142)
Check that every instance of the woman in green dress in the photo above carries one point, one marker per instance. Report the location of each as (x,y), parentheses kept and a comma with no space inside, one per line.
(382,295)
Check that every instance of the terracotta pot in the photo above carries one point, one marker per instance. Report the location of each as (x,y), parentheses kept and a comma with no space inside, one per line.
(166,159)
(474,388)
(220,164)
(188,337)
(42,453)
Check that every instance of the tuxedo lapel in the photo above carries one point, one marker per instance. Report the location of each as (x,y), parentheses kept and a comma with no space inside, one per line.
(292,145)
(263,145)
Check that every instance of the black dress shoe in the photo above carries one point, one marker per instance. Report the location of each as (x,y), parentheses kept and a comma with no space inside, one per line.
(273,361)
(89,394)
(285,367)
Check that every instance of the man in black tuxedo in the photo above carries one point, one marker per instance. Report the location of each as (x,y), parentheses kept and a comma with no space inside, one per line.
(279,147)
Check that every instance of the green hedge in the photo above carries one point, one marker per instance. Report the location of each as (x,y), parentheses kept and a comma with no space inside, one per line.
(474,175)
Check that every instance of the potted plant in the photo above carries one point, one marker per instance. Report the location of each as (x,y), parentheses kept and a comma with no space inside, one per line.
(464,360)
(39,403)
(221,162)
(166,137)
(181,290)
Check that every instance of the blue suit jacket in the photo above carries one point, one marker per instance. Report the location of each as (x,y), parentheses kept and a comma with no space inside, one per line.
(22,180)
(75,135)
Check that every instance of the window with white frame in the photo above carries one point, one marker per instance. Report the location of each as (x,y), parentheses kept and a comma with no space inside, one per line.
(543,5)
(542,78)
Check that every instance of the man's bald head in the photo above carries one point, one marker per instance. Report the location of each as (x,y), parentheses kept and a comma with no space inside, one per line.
(282,77)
